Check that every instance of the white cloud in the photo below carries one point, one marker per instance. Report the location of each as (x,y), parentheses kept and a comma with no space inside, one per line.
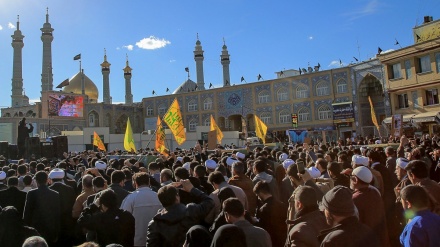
(152,43)
(335,63)
(370,8)
(128,47)
(310,37)
(10,25)
(1,28)
(33,101)
(172,60)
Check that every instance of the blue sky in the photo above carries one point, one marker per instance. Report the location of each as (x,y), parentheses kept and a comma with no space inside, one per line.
(159,37)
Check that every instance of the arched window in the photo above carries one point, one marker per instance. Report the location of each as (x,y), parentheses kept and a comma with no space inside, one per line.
(302,92)
(341,86)
(322,89)
(263,97)
(266,117)
(192,105)
(149,111)
(303,115)
(207,121)
(192,125)
(93,119)
(284,116)
(162,109)
(324,112)
(282,94)
(207,104)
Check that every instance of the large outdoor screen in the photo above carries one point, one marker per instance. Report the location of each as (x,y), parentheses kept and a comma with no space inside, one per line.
(62,105)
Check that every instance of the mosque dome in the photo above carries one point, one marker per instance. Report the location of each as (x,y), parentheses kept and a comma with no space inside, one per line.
(75,87)
(185,86)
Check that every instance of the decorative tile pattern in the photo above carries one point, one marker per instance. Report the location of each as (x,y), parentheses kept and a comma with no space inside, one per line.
(207,95)
(297,106)
(276,86)
(318,103)
(234,102)
(302,82)
(280,108)
(340,75)
(342,99)
(261,88)
(192,97)
(191,118)
(264,109)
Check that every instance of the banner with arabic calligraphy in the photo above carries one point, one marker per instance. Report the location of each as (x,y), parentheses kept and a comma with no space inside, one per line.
(343,112)
(173,118)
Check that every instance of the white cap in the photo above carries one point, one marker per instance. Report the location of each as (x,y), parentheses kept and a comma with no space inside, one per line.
(179,158)
(230,160)
(100,165)
(402,162)
(187,165)
(2,175)
(56,173)
(314,172)
(360,160)
(283,157)
(210,164)
(287,163)
(363,173)
(363,149)
(378,142)
(240,155)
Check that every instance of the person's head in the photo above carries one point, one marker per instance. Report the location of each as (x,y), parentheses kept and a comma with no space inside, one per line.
(262,190)
(118,177)
(13,182)
(27,180)
(416,170)
(87,181)
(229,235)
(181,173)
(414,198)
(199,171)
(321,164)
(305,198)
(334,169)
(237,168)
(153,167)
(373,156)
(98,184)
(216,178)
(400,171)
(259,166)
(166,175)
(224,194)
(127,173)
(141,179)
(40,167)
(22,170)
(168,195)
(337,204)
(329,156)
(292,172)
(35,241)
(108,200)
(41,178)
(361,177)
(197,236)
(389,151)
(233,210)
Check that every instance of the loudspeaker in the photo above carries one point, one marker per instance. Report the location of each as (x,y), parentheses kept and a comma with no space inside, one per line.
(33,147)
(47,150)
(13,151)
(4,146)
(60,145)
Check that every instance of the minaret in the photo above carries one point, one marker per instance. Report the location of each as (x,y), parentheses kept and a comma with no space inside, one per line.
(198,57)
(17,98)
(46,70)
(127,76)
(224,59)
(105,69)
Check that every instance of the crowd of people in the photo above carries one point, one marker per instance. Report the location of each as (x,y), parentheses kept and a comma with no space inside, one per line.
(293,195)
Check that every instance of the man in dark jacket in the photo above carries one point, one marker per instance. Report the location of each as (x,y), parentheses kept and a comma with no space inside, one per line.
(169,226)
(12,196)
(308,222)
(346,229)
(23,134)
(111,224)
(118,178)
(42,209)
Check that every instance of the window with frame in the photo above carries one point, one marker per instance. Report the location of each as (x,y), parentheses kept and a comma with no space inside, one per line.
(341,86)
(263,97)
(284,116)
(192,125)
(207,122)
(303,115)
(149,111)
(408,71)
(432,97)
(324,112)
(192,105)
(437,62)
(395,71)
(402,100)
(207,104)
(302,92)
(424,64)
(282,94)
(162,109)
(266,117)
(322,89)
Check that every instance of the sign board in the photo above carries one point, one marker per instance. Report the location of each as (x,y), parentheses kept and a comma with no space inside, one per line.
(343,112)
(294,120)
(212,140)
(150,123)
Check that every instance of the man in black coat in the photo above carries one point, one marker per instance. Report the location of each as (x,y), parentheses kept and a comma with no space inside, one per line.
(118,179)
(67,196)
(42,209)
(23,134)
(12,196)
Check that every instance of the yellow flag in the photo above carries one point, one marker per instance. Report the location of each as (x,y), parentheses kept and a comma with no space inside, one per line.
(260,128)
(128,138)
(215,127)
(160,138)
(373,115)
(173,118)
(98,142)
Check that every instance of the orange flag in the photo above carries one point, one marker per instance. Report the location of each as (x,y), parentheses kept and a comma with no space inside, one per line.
(173,118)
(160,138)
(373,115)
(98,142)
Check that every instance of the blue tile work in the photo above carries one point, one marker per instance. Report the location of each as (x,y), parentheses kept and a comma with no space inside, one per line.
(207,115)
(231,102)
(192,97)
(182,106)
(302,82)
(415,99)
(276,86)
(259,89)
(319,103)
(342,99)
(297,106)
(264,109)
(318,79)
(165,101)
(207,95)
(191,117)
(279,108)
(148,103)
(340,75)
(107,107)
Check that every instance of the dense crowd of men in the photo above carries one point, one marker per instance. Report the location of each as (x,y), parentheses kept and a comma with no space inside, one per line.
(337,194)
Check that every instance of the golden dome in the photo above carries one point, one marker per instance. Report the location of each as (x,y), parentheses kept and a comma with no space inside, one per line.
(75,87)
